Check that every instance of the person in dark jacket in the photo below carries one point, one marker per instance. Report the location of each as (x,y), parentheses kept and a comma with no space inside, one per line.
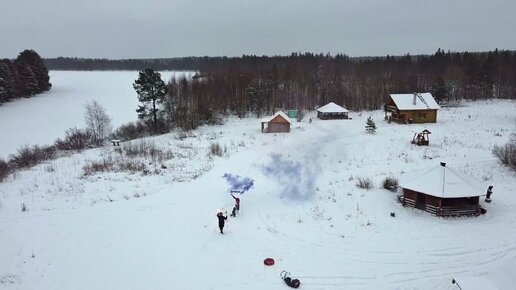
(222,218)
(489,192)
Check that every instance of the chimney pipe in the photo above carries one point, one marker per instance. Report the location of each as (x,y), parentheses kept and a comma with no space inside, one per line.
(414,99)
(443,164)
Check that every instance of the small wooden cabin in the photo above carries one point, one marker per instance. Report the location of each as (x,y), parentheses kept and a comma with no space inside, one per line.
(411,108)
(279,123)
(332,111)
(442,191)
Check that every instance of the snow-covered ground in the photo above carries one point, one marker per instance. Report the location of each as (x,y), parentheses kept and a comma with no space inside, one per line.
(159,231)
(63,106)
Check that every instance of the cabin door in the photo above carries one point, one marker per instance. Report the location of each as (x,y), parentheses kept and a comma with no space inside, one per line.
(420,201)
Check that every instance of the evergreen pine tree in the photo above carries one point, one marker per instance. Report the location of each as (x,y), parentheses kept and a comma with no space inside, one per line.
(26,85)
(151,90)
(14,79)
(370,126)
(36,64)
(7,91)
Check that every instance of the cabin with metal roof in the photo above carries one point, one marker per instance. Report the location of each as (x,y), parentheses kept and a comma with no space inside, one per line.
(411,108)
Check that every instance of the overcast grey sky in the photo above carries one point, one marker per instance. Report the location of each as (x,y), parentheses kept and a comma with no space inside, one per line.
(174,28)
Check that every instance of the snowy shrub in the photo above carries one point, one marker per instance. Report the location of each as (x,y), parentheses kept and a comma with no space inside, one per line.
(98,166)
(215,119)
(132,166)
(506,153)
(181,135)
(75,139)
(390,183)
(146,149)
(365,183)
(50,168)
(130,131)
(110,165)
(216,149)
(27,157)
(4,169)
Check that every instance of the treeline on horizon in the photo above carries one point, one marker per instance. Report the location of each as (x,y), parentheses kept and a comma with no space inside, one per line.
(260,85)
(25,76)
(307,80)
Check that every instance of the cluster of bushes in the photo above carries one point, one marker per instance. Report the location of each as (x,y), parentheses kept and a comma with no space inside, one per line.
(389,183)
(76,139)
(112,165)
(142,148)
(145,148)
(217,149)
(506,153)
(26,157)
(29,156)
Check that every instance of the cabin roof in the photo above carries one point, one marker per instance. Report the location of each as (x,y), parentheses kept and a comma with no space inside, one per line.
(279,113)
(424,101)
(331,107)
(441,181)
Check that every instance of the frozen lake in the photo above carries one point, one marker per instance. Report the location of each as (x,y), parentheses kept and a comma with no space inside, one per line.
(44,118)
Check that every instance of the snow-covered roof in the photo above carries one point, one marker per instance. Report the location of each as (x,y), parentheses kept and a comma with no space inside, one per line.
(332,108)
(279,113)
(502,277)
(441,181)
(424,101)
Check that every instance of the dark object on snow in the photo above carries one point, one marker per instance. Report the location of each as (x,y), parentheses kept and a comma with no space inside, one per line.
(489,192)
(222,218)
(268,261)
(393,214)
(483,210)
(233,212)
(294,283)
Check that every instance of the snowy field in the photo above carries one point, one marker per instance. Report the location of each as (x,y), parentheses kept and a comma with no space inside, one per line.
(159,231)
(63,106)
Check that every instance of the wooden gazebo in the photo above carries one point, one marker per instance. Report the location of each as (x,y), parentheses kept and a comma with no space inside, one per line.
(279,123)
(442,191)
(332,111)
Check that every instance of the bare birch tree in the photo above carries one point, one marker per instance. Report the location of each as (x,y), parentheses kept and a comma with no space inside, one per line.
(98,123)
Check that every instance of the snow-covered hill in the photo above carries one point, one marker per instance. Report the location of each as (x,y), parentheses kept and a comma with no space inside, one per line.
(159,230)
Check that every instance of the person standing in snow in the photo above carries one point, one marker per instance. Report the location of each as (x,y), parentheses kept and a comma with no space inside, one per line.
(237,203)
(222,218)
(489,192)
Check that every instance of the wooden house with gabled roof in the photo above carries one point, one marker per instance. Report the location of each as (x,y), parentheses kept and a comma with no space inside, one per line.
(411,108)
(279,123)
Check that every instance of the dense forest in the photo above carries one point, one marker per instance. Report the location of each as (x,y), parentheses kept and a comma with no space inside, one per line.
(259,85)
(25,76)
